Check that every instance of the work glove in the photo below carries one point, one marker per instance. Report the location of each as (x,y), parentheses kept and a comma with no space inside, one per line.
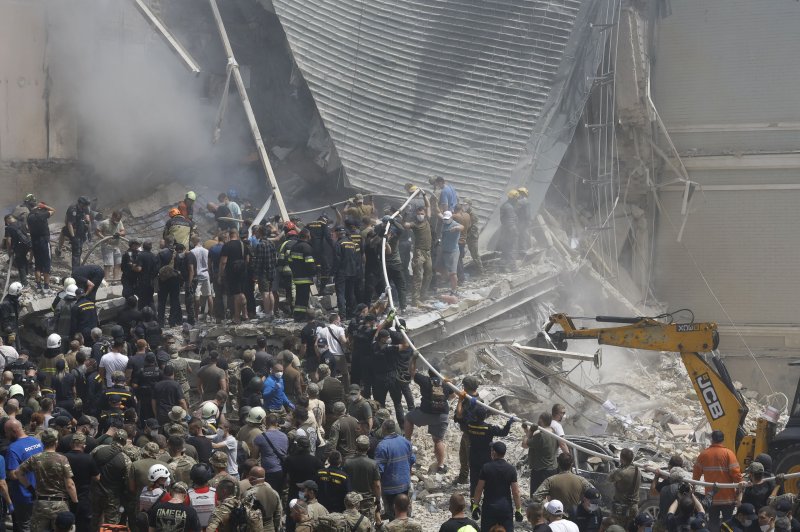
(780,477)
(518,515)
(390,317)
(476,512)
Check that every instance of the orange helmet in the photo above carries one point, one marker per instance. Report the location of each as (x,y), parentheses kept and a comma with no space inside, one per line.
(289,226)
(173,212)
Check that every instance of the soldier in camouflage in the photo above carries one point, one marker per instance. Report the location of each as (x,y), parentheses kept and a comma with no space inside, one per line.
(219,462)
(182,370)
(113,464)
(355,519)
(224,514)
(54,484)
(179,463)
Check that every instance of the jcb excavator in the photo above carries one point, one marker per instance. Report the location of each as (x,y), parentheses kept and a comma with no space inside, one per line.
(724,406)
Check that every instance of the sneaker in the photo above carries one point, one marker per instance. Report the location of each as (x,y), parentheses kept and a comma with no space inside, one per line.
(46,286)
(39,286)
(443,470)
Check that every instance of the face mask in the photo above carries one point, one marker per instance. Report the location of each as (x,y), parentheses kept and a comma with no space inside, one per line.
(747,523)
(278,375)
(181,255)
(765,528)
(593,507)
(301,496)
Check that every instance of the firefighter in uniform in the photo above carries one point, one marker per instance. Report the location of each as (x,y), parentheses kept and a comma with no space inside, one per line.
(346,269)
(301,262)
(54,484)
(323,246)
(283,267)
(480,439)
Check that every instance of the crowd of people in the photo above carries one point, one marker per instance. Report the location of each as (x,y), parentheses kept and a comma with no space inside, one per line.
(144,429)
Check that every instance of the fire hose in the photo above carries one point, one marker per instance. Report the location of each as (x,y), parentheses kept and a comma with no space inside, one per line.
(88,253)
(461,393)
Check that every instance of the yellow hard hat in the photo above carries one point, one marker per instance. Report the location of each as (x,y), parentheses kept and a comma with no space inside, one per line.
(191,195)
(523,191)
(513,194)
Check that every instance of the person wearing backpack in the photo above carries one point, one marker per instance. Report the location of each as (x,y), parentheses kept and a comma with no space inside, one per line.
(39,229)
(233,515)
(433,412)
(169,286)
(18,244)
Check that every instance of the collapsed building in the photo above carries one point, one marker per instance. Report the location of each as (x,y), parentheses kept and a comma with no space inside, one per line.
(648,170)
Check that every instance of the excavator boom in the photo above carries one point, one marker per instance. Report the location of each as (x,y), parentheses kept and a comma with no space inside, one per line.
(724,406)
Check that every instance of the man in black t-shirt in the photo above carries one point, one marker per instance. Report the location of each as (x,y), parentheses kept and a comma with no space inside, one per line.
(186,264)
(18,242)
(233,273)
(76,229)
(88,278)
(175,515)
(166,394)
(433,411)
(498,486)
(459,522)
(39,230)
(169,287)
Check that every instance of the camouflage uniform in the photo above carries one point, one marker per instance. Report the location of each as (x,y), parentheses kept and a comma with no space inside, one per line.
(114,465)
(222,514)
(405,524)
(234,387)
(52,471)
(179,468)
(222,475)
(181,366)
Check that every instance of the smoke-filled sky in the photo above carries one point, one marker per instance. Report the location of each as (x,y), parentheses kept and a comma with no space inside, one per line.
(143,117)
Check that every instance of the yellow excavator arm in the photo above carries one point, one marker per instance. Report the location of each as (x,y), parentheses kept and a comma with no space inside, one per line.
(724,406)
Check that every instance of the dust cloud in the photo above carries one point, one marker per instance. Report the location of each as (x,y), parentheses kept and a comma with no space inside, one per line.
(143,118)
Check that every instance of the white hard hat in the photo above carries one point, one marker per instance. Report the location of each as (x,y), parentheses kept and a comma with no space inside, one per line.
(54,341)
(209,411)
(158,471)
(15,289)
(69,281)
(72,290)
(256,415)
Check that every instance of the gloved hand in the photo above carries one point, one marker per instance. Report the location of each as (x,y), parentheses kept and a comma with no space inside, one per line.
(390,317)
(518,515)
(476,512)
(415,354)
(780,477)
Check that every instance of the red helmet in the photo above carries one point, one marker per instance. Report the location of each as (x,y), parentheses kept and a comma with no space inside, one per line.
(289,226)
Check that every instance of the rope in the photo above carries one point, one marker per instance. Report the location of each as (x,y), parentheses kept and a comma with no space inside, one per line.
(493,410)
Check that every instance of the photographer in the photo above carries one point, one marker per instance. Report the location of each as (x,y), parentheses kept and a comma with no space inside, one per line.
(685,508)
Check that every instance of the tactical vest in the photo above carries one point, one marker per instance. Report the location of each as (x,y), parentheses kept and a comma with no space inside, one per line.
(149,497)
(203,504)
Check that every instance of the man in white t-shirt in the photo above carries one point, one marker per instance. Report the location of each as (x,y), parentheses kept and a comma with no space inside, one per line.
(113,361)
(558,413)
(554,513)
(203,289)
(334,333)
(112,256)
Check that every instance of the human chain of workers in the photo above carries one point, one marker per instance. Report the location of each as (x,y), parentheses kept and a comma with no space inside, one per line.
(105,432)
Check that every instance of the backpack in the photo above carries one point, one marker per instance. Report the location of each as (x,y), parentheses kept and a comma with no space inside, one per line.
(246,513)
(439,403)
(336,522)
(168,272)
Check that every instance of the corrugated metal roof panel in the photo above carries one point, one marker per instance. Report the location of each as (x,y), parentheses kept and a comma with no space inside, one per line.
(414,88)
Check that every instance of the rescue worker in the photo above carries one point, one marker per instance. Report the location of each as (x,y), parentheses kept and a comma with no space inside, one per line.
(273,392)
(588,515)
(473,233)
(169,285)
(76,229)
(39,230)
(344,431)
(186,206)
(129,276)
(355,519)
(84,316)
(9,315)
(176,514)
(542,451)
(421,266)
(202,497)
(268,499)
(186,265)
(303,267)
(333,484)
(146,269)
(54,485)
(463,415)
(480,440)
(263,265)
(114,465)
(156,489)
(627,480)
(498,481)
(23,210)
(233,262)
(386,351)
(433,412)
(228,503)
(18,244)
(447,194)
(564,486)
(718,464)
(461,217)
(357,209)
(523,208)
(365,477)
(112,229)
(509,231)
(254,425)
(345,269)
(283,266)
(323,249)
(177,227)
(47,364)
(447,263)
(394,264)
(395,458)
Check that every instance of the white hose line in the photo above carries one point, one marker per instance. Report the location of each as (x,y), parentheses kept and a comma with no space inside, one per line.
(458,391)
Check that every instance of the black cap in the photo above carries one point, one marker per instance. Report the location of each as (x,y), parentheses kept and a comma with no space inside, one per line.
(747,510)
(592,494)
(643,519)
(308,484)
(717,436)
(60,421)
(383,333)
(152,424)
(782,507)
